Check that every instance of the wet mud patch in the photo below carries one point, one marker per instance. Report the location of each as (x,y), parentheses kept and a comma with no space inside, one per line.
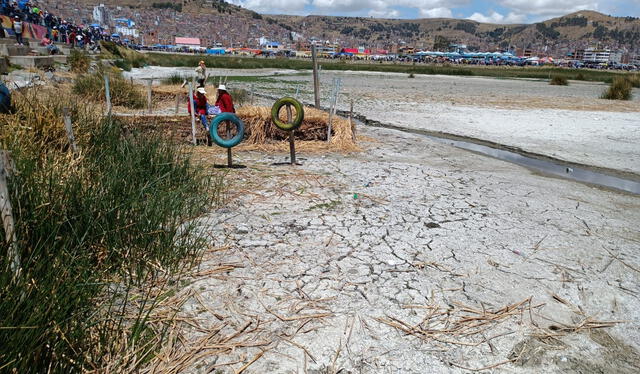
(599,353)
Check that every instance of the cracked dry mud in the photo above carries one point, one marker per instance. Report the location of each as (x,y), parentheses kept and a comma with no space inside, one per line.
(415,257)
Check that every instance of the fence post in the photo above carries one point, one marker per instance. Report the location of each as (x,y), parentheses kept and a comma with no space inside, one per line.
(149,105)
(316,80)
(69,128)
(353,124)
(6,214)
(177,103)
(292,144)
(193,115)
(107,93)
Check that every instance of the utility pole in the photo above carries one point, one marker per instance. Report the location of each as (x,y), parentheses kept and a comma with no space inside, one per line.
(316,80)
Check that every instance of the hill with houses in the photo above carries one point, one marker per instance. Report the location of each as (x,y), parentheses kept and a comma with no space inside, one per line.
(219,22)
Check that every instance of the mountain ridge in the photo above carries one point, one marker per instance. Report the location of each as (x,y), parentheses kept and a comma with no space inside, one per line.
(217,21)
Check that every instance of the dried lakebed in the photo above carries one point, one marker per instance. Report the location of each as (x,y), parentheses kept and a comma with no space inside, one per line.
(414,257)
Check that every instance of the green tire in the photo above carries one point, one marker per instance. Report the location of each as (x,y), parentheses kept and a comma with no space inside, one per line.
(297,121)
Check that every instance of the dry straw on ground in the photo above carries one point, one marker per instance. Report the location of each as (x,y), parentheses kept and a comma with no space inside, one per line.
(260,132)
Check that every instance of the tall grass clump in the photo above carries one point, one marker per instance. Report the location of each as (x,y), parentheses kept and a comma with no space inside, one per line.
(634,80)
(91,86)
(620,89)
(174,78)
(559,80)
(91,230)
(240,96)
(78,61)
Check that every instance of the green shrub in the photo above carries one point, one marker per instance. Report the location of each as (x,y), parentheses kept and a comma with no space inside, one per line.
(580,77)
(411,75)
(78,61)
(620,89)
(90,231)
(123,64)
(559,80)
(91,86)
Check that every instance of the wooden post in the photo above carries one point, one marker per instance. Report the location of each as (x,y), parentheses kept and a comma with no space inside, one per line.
(131,78)
(6,214)
(193,114)
(316,80)
(177,103)
(229,155)
(252,91)
(329,124)
(292,144)
(353,124)
(149,105)
(107,93)
(69,128)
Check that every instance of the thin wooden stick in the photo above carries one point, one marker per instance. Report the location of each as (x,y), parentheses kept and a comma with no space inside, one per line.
(245,366)
(149,105)
(193,115)
(6,213)
(107,93)
(69,128)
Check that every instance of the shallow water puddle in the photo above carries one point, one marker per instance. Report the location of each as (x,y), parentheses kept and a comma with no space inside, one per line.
(544,166)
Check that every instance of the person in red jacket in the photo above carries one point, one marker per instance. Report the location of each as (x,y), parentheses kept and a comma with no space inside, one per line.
(200,106)
(224,101)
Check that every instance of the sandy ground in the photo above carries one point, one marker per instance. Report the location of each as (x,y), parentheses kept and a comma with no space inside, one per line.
(564,122)
(159,72)
(428,260)
(568,123)
(413,256)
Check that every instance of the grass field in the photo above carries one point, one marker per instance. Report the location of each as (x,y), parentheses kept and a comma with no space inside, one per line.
(100,236)
(230,62)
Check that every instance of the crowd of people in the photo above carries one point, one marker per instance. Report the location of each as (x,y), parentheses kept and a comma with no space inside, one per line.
(58,29)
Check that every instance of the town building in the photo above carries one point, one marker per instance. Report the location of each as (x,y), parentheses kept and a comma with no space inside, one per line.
(187,42)
(602,56)
(102,16)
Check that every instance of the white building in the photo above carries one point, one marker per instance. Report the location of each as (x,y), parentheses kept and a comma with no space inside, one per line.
(102,15)
(602,56)
(127,31)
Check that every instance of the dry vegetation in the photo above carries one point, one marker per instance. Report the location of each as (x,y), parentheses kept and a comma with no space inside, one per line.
(93,275)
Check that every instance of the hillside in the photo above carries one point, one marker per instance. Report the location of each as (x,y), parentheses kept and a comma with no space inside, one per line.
(218,21)
(579,29)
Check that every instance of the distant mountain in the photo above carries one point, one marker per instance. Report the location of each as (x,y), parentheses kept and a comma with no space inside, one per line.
(580,29)
(206,19)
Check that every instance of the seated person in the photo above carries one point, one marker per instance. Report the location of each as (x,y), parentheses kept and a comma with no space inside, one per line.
(200,106)
(52,48)
(224,101)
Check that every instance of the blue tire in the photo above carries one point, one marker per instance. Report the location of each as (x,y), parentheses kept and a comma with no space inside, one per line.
(5,99)
(213,130)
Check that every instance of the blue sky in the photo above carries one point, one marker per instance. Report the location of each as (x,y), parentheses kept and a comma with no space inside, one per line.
(495,11)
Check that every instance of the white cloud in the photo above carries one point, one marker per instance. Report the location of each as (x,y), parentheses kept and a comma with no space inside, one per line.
(273,6)
(436,13)
(495,17)
(384,13)
(549,8)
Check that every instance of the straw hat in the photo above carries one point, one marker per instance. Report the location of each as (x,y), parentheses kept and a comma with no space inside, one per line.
(202,91)
(222,87)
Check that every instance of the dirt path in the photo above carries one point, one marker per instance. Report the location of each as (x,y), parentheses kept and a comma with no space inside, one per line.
(415,257)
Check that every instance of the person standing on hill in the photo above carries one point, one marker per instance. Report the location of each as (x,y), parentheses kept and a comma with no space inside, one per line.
(224,101)
(17,28)
(201,72)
